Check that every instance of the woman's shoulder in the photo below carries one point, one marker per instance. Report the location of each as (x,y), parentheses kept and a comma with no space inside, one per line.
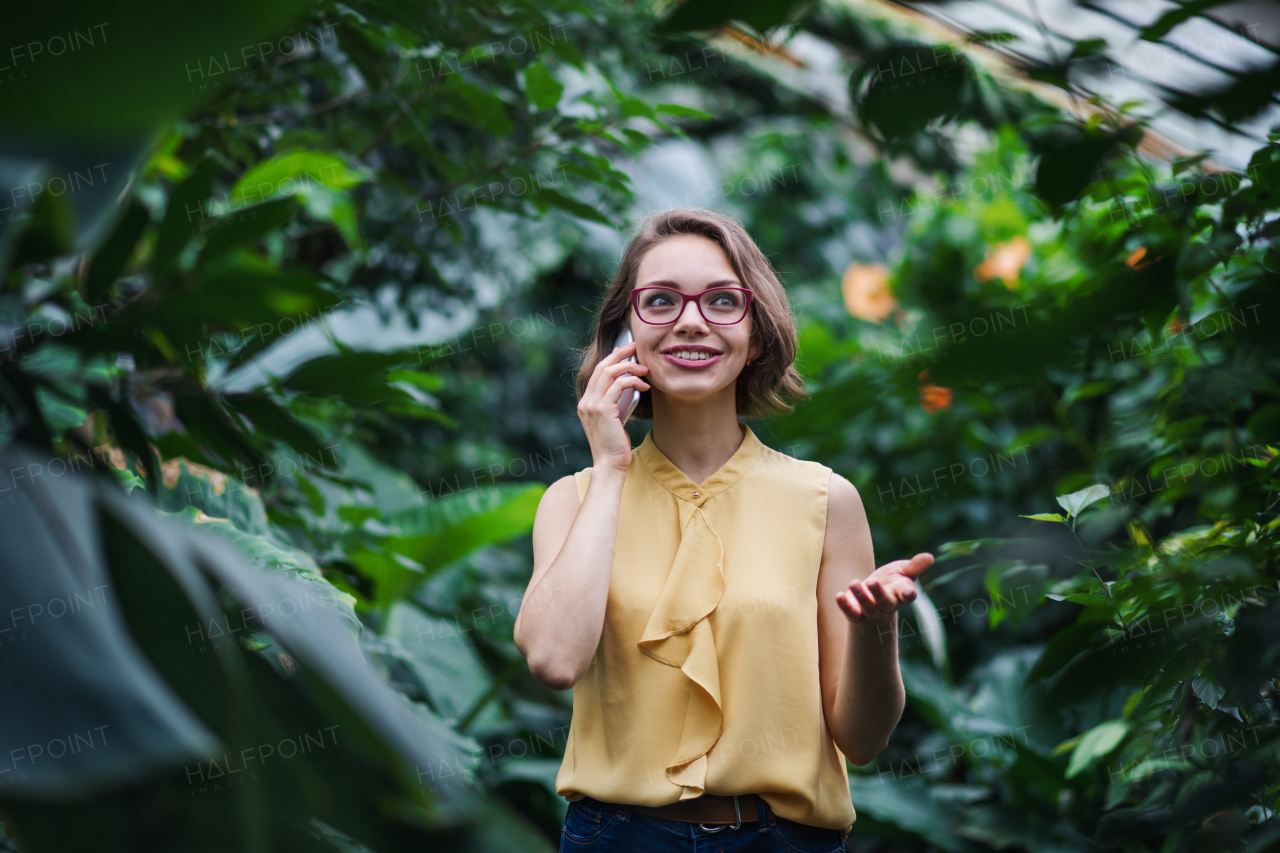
(777,464)
(562,491)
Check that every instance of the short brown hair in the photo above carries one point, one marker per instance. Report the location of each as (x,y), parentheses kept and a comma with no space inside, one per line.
(765,386)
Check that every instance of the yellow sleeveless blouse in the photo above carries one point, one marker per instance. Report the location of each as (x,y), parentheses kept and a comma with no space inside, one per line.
(706,676)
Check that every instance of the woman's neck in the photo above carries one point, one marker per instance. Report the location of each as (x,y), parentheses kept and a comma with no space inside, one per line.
(698,438)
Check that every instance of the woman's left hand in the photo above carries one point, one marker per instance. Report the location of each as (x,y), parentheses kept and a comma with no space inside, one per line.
(877,598)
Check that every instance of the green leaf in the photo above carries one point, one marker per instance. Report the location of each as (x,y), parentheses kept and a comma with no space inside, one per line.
(370,59)
(425,381)
(684,112)
(293,172)
(318,178)
(246,226)
(105,680)
(444,656)
(895,806)
(360,377)
(488,111)
(1044,516)
(1208,692)
(901,89)
(1075,502)
(357,515)
(296,565)
(114,255)
(184,214)
(1015,589)
(762,15)
(189,484)
(634,107)
(543,89)
(448,529)
(1242,98)
(1069,161)
(545,198)
(315,500)
(1088,47)
(1095,744)
(275,421)
(1181,12)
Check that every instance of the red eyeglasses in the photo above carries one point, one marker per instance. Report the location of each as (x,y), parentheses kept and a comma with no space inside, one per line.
(720,306)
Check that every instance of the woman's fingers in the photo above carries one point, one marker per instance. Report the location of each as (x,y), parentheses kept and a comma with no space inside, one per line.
(623,375)
(916,566)
(875,597)
(612,358)
(884,599)
(620,385)
(864,598)
(607,382)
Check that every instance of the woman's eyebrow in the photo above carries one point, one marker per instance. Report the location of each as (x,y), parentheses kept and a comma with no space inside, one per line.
(724,282)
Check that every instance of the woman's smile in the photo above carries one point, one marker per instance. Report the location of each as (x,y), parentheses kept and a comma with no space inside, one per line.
(692,358)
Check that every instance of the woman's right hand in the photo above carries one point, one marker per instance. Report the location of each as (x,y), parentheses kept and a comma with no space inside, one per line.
(598,408)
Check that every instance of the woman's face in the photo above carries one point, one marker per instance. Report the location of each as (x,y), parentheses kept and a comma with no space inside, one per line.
(691,264)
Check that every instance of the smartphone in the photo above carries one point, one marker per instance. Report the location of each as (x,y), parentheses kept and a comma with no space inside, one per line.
(630,396)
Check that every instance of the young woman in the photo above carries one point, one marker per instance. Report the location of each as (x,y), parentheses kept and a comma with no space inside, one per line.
(712,602)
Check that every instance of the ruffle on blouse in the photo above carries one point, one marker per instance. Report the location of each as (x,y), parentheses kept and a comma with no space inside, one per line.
(679,634)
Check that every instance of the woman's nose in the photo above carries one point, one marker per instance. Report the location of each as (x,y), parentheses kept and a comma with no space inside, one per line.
(691,315)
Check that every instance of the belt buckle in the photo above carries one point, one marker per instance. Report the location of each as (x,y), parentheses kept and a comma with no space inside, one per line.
(736,813)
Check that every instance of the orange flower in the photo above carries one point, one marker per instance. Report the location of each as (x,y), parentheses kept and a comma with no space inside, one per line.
(1004,262)
(866,292)
(1137,255)
(933,398)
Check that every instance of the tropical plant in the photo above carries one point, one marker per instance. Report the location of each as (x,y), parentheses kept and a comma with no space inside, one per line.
(305,283)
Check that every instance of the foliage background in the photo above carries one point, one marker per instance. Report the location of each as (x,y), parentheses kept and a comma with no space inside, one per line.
(319,306)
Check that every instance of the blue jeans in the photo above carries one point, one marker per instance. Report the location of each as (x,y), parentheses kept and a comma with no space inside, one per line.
(593,826)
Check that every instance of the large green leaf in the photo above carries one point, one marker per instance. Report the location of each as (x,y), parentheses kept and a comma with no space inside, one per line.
(904,801)
(445,660)
(107,71)
(543,89)
(74,670)
(319,179)
(1096,744)
(1070,161)
(298,566)
(448,529)
(901,89)
(1076,502)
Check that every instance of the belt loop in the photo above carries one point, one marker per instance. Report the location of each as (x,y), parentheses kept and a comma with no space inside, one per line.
(625,814)
(763,808)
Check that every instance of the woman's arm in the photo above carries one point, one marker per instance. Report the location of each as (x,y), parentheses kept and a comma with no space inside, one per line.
(561,616)
(562,613)
(862,692)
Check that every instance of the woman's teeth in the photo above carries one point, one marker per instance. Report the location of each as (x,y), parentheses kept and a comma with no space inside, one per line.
(692,356)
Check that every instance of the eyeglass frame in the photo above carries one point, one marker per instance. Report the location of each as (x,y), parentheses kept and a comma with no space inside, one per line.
(684,301)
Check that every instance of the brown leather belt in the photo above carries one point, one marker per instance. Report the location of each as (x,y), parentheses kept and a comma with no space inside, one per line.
(708,809)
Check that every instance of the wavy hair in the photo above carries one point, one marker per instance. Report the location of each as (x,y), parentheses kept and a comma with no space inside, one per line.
(764,387)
